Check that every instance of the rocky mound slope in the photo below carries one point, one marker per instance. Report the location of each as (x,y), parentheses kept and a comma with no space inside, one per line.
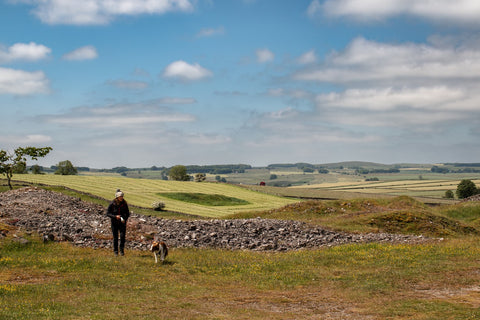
(63,218)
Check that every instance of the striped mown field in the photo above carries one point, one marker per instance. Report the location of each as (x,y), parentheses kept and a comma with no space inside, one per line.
(432,188)
(142,192)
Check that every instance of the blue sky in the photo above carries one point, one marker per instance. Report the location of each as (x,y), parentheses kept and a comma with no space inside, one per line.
(139,83)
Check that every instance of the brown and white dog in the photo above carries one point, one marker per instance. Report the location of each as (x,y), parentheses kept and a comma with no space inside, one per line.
(161,248)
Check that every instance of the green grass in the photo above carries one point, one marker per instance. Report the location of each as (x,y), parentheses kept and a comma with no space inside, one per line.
(204,199)
(59,281)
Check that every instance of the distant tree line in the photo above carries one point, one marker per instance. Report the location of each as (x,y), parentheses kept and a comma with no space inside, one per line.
(305,167)
(475,164)
(370,171)
(218,169)
(465,169)
(298,165)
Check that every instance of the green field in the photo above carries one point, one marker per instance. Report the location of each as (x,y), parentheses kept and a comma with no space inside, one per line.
(376,281)
(143,192)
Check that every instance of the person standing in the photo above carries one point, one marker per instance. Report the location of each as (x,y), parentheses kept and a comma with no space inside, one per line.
(118,212)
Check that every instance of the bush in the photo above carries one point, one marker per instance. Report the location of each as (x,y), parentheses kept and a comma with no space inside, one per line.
(179,173)
(449,194)
(66,168)
(199,177)
(466,188)
(158,205)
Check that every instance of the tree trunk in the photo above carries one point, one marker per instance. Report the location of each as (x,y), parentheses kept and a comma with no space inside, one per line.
(9,179)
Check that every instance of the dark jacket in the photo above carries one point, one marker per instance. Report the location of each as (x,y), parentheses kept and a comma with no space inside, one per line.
(115,209)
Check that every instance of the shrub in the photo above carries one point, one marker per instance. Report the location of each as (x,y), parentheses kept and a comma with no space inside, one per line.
(466,188)
(66,168)
(449,194)
(199,177)
(179,173)
(158,205)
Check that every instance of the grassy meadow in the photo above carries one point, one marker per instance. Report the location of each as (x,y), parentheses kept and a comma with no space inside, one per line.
(439,280)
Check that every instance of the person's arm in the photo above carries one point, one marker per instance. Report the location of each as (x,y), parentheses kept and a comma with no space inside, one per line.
(127,212)
(110,212)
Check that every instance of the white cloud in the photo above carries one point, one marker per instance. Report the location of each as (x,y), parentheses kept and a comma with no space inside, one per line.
(264,55)
(407,86)
(291,93)
(412,110)
(381,99)
(83,53)
(98,12)
(122,120)
(32,139)
(131,85)
(206,139)
(19,82)
(277,92)
(142,114)
(188,72)
(365,61)
(308,57)
(210,32)
(174,100)
(24,52)
(459,11)
(314,8)
(304,129)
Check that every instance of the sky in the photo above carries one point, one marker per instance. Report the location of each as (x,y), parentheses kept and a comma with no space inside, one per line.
(141,83)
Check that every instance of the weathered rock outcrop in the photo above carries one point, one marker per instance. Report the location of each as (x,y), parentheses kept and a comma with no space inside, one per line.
(65,218)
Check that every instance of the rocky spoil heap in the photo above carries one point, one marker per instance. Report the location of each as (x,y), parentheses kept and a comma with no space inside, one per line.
(65,218)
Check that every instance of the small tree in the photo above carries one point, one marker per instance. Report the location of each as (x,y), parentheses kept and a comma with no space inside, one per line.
(466,188)
(179,173)
(449,194)
(20,168)
(199,177)
(66,168)
(11,163)
(36,169)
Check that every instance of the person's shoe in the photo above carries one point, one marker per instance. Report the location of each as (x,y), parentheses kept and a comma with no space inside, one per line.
(122,253)
(116,253)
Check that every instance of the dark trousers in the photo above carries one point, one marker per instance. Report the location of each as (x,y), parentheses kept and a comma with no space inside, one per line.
(118,227)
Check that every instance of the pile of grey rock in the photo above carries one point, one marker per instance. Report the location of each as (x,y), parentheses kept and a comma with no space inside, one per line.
(58,217)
